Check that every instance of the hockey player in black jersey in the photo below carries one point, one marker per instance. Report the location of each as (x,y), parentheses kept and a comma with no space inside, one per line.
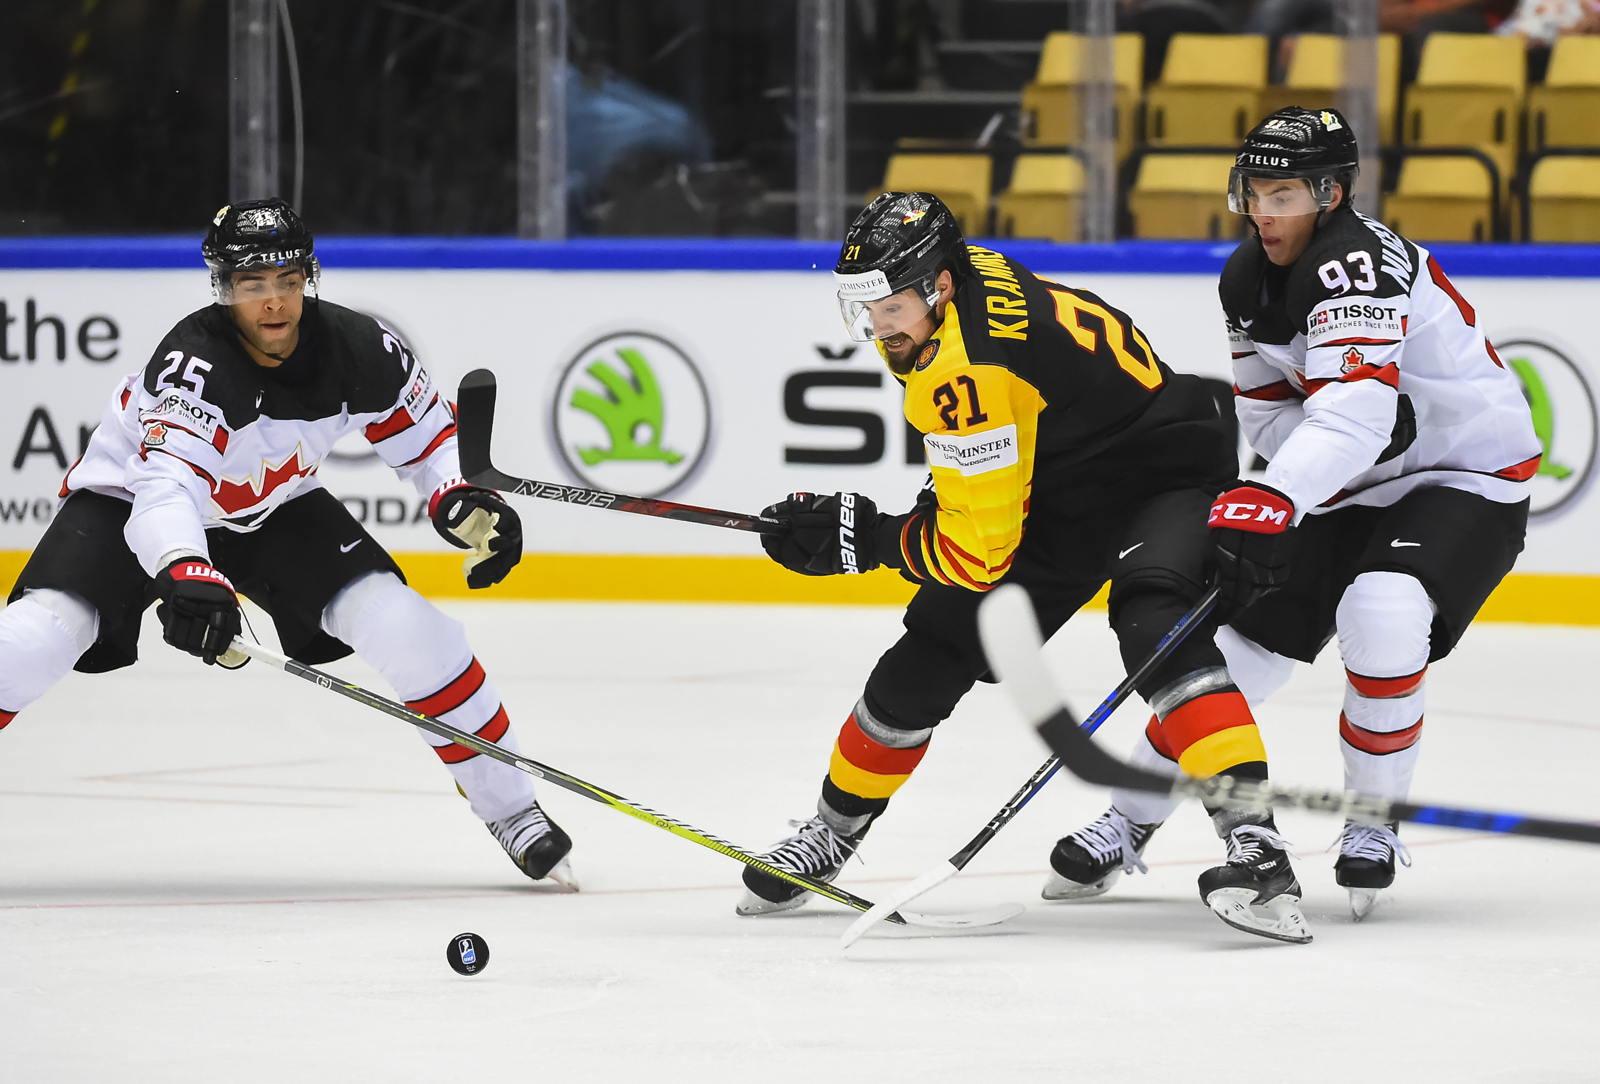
(1399,455)
(201,480)
(1063,453)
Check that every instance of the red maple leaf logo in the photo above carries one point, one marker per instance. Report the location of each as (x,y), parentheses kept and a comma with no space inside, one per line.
(1351,358)
(235,497)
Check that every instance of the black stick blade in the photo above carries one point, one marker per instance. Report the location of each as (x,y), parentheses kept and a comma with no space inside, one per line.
(475,399)
(1011,640)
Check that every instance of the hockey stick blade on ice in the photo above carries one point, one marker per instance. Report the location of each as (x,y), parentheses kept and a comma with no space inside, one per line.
(475,430)
(598,794)
(1011,640)
(945,870)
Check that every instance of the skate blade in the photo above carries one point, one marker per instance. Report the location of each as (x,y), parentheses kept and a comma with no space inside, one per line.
(751,904)
(561,873)
(1286,923)
(1362,901)
(1060,888)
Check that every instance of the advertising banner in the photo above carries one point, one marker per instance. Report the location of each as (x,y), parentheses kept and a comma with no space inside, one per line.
(723,388)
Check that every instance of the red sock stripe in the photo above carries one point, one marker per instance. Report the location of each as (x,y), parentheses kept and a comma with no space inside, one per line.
(1202,717)
(6,717)
(871,756)
(1377,742)
(493,730)
(1152,731)
(1385,688)
(453,695)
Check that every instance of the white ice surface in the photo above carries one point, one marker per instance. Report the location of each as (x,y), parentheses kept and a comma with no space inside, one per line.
(240,877)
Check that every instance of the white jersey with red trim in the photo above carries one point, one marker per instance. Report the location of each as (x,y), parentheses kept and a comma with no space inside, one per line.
(1361,374)
(203,437)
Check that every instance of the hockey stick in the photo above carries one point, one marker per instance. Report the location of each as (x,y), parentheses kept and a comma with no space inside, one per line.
(599,794)
(1011,640)
(957,862)
(475,429)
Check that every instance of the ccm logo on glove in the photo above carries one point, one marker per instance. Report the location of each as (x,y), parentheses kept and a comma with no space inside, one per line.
(1249,508)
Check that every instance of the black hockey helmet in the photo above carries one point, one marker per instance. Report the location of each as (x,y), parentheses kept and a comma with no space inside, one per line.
(899,241)
(256,235)
(1316,146)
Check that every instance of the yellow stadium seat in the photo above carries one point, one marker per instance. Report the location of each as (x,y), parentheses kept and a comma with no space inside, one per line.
(1043,200)
(1210,90)
(961,180)
(1469,92)
(1183,196)
(1050,103)
(1445,198)
(1565,196)
(1565,110)
(1317,70)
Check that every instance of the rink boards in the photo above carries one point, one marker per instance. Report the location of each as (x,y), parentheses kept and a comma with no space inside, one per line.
(731,384)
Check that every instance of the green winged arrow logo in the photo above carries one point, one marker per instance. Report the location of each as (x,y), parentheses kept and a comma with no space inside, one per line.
(631,411)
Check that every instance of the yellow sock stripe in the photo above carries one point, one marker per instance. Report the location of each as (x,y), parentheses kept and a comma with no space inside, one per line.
(1216,753)
(860,782)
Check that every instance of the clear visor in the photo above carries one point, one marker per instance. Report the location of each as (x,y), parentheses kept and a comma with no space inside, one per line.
(262,284)
(880,318)
(1278,197)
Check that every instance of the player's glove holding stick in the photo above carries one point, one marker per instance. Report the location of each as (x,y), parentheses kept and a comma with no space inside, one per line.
(475,519)
(825,534)
(199,611)
(1252,538)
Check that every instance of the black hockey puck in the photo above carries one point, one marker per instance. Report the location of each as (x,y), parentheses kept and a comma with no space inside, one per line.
(468,953)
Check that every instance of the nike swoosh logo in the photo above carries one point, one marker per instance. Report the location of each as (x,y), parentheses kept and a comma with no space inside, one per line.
(1129,550)
(1396,544)
(1246,323)
(351,546)
(258,399)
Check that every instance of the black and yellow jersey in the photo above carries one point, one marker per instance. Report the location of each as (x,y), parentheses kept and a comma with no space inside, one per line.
(1029,395)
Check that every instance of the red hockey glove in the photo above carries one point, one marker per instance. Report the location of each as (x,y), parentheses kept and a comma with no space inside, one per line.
(824,535)
(1252,535)
(476,519)
(199,612)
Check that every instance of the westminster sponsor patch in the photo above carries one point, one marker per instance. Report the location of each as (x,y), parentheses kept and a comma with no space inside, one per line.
(975,453)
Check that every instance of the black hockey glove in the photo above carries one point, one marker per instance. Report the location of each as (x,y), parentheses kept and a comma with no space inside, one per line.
(825,534)
(199,612)
(476,519)
(1252,536)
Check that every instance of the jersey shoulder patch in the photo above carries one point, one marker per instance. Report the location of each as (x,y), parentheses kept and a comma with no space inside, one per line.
(375,365)
(199,358)
(1350,256)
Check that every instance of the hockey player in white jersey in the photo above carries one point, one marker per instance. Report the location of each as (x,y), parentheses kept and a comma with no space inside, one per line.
(201,478)
(1399,454)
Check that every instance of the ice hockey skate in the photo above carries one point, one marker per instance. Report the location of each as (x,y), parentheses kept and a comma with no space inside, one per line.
(1089,861)
(816,851)
(537,845)
(1256,891)
(1365,865)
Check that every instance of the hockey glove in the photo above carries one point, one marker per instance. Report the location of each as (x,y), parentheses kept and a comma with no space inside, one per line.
(199,612)
(824,535)
(476,519)
(1252,535)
